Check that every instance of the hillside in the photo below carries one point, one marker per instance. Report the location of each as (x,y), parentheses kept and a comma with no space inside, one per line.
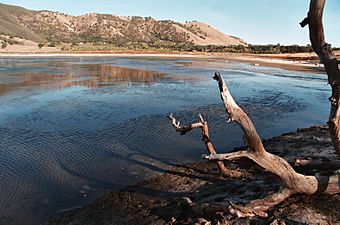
(47,26)
(10,22)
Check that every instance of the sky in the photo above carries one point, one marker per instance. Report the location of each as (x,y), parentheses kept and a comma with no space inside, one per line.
(255,21)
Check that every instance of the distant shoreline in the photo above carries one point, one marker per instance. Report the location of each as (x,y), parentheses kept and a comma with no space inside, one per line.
(296,62)
(8,55)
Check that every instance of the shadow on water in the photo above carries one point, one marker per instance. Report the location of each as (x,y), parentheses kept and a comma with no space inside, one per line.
(144,161)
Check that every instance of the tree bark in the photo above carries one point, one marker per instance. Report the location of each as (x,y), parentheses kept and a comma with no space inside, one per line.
(327,57)
(293,182)
(203,125)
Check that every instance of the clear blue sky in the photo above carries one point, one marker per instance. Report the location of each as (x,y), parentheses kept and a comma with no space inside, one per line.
(256,21)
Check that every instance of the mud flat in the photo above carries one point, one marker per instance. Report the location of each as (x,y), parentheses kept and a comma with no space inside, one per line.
(307,62)
(194,193)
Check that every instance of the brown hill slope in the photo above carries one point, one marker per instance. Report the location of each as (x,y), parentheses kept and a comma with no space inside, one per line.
(47,26)
(10,22)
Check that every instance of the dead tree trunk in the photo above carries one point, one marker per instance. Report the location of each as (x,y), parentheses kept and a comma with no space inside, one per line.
(327,57)
(293,182)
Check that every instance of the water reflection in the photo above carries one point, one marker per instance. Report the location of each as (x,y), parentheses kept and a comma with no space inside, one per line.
(99,75)
(34,80)
(213,63)
(90,76)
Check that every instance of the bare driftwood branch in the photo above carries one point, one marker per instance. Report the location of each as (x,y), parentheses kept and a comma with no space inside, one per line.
(260,206)
(319,164)
(203,125)
(293,182)
(184,129)
(327,57)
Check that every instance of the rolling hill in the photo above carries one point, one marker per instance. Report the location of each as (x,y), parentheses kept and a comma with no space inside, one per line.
(56,27)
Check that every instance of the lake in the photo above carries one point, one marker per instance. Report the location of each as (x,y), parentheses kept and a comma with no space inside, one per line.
(72,129)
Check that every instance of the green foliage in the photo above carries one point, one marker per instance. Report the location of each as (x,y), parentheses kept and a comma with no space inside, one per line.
(270,49)
(74,44)
(11,41)
(119,42)
(4,45)
(90,38)
(51,45)
(255,49)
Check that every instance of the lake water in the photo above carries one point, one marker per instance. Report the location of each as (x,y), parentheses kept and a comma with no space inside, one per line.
(74,128)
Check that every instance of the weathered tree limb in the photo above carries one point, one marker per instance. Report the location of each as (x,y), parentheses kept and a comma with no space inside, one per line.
(203,125)
(260,206)
(238,115)
(327,57)
(184,129)
(317,164)
(293,182)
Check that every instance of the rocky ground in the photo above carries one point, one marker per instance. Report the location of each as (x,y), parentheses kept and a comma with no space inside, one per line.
(197,194)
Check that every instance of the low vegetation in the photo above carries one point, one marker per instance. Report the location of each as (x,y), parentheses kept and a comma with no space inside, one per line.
(186,47)
(255,49)
(4,44)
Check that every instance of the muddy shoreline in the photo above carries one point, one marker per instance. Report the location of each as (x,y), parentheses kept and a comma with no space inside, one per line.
(193,193)
(305,62)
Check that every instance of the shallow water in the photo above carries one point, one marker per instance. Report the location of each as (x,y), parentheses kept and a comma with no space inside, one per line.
(73,128)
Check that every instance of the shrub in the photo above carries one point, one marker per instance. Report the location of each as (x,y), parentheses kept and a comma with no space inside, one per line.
(4,45)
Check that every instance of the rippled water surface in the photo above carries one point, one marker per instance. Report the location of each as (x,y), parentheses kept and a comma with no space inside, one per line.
(73,128)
